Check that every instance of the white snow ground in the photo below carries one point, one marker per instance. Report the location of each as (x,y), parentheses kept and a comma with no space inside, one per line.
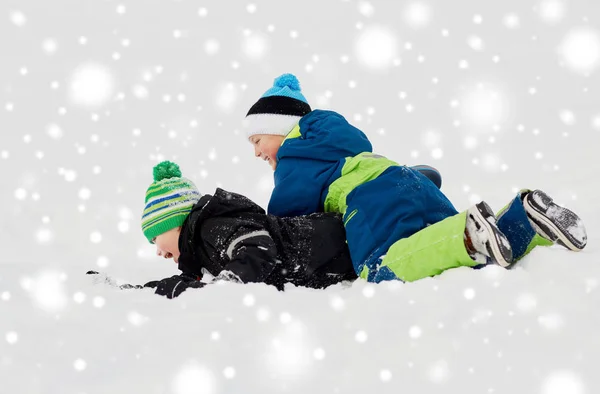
(530,330)
(498,96)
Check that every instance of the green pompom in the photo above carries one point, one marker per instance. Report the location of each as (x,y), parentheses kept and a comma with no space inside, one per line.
(166,170)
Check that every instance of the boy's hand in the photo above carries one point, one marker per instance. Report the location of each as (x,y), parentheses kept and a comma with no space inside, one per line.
(175,285)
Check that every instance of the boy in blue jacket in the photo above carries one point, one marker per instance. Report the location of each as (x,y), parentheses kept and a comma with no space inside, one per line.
(399,225)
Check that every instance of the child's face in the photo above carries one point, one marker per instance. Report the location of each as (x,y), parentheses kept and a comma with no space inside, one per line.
(266,147)
(167,244)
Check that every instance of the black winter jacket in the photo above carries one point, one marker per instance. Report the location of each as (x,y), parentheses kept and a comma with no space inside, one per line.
(233,238)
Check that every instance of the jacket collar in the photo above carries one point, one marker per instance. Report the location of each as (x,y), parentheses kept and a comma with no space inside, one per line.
(187,253)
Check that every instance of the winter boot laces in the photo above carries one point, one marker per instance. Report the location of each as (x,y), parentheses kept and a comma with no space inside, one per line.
(483,237)
(553,222)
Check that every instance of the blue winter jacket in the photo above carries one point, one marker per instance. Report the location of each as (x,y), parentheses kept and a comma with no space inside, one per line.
(326,164)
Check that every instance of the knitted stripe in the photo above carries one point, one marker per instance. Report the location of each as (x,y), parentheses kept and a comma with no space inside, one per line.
(164,183)
(281,105)
(162,187)
(159,212)
(269,124)
(285,91)
(150,220)
(165,225)
(172,199)
(184,210)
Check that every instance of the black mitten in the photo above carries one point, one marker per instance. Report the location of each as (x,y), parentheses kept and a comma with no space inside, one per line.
(174,286)
(152,284)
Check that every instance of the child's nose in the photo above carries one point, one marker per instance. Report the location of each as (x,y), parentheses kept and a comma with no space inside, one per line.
(256,152)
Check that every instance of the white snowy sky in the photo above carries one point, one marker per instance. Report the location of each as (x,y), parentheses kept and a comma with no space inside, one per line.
(496,95)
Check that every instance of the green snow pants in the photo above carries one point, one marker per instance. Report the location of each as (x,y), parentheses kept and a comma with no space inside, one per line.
(441,246)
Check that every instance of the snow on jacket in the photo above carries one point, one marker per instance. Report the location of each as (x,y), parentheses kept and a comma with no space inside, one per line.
(231,237)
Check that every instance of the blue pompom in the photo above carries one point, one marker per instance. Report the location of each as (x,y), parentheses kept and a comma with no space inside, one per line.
(288,80)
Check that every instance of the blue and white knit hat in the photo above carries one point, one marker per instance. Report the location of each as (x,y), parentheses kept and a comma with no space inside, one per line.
(279,109)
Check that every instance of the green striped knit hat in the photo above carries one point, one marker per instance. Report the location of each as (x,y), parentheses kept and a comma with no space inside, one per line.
(169,200)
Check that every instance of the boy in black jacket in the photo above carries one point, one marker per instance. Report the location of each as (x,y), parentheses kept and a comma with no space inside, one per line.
(230,237)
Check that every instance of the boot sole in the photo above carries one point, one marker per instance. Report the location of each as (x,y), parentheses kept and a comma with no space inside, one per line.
(554,230)
(499,250)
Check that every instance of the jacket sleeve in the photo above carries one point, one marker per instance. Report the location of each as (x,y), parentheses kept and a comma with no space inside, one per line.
(311,156)
(329,136)
(252,255)
(298,188)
